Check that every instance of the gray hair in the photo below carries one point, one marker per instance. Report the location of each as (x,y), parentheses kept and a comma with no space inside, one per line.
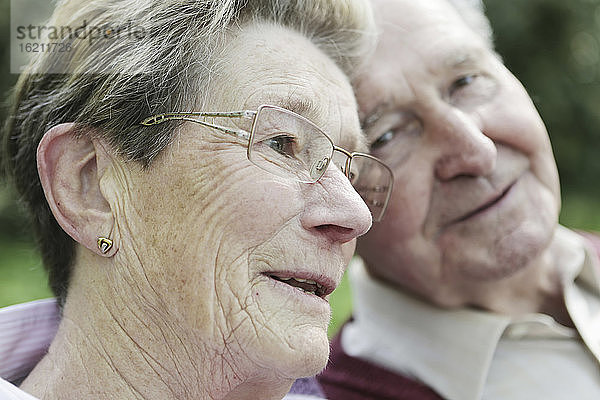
(473,13)
(108,85)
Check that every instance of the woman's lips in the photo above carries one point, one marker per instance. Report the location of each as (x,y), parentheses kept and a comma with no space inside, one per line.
(320,286)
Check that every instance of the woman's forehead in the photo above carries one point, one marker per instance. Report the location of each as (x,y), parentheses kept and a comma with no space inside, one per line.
(267,64)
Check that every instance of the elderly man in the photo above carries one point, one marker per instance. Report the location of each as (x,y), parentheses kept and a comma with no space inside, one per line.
(469,288)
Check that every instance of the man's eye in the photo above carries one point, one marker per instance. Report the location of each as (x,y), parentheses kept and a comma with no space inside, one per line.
(401,134)
(382,140)
(462,82)
(471,90)
(283,144)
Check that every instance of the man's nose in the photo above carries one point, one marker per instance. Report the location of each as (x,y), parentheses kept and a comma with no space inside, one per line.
(464,150)
(335,209)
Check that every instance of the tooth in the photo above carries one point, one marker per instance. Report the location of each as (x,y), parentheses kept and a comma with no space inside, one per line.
(304,290)
(285,279)
(306,281)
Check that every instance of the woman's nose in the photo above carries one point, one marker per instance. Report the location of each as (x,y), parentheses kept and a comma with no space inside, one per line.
(463,148)
(335,209)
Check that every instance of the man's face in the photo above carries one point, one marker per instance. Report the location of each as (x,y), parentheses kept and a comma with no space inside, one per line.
(476,193)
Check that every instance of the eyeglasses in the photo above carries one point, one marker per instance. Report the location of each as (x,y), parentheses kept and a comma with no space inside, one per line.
(290,146)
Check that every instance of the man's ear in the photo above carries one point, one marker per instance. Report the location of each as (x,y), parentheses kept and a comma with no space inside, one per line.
(69,171)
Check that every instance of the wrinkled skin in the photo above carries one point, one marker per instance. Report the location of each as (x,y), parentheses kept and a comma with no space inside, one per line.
(476,193)
(236,221)
(183,307)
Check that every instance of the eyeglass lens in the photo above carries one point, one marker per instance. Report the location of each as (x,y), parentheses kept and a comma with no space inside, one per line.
(289,146)
(370,178)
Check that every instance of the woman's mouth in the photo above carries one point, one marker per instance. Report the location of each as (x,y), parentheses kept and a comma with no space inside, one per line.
(320,286)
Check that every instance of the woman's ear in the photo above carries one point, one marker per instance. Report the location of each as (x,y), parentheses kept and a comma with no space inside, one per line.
(69,171)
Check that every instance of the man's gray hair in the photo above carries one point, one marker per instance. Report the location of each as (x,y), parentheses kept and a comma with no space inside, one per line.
(473,13)
(166,61)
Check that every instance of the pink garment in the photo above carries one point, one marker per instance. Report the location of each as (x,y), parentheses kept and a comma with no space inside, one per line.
(26,331)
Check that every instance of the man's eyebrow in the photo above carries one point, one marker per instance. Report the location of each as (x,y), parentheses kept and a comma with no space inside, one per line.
(463,58)
(457,61)
(371,119)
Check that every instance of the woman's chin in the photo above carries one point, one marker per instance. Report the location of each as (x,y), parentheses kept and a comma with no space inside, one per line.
(309,347)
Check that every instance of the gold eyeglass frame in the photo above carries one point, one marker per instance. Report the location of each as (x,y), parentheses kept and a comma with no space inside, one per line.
(199,116)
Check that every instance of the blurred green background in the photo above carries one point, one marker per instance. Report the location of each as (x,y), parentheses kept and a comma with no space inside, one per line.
(553,46)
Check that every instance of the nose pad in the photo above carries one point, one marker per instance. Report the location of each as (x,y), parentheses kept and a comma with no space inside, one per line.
(318,167)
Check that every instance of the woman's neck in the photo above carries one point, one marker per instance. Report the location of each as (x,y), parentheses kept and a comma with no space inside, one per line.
(110,347)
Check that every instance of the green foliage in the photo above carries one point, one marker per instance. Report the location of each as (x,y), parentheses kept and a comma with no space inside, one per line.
(341,305)
(580,212)
(22,277)
(553,47)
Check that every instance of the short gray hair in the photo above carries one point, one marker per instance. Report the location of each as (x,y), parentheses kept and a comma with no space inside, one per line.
(107,86)
(473,13)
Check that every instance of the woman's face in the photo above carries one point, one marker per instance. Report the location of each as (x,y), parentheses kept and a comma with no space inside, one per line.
(211,235)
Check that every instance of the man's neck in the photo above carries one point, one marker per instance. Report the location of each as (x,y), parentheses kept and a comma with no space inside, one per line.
(538,288)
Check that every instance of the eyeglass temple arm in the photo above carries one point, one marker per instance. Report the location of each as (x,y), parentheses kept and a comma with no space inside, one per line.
(193,117)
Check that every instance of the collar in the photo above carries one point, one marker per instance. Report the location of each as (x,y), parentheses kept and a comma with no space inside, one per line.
(452,350)
(582,292)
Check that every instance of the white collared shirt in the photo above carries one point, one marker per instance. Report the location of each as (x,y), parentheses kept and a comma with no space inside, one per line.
(467,354)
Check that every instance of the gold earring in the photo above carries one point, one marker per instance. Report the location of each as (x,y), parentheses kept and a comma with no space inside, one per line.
(104,244)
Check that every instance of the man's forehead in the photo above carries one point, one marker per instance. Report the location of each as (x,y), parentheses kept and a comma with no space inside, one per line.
(416,20)
(390,79)
(402,55)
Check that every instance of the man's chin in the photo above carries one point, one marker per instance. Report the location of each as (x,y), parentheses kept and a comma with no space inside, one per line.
(503,240)
(498,257)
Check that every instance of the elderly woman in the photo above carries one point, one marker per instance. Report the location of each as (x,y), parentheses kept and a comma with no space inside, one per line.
(187,208)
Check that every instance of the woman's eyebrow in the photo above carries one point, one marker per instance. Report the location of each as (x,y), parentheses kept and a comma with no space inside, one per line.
(297,103)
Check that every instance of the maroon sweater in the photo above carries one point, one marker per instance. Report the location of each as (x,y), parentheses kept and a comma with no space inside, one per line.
(349,378)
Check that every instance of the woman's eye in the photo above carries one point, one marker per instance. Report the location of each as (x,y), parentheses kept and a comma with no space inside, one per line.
(283,144)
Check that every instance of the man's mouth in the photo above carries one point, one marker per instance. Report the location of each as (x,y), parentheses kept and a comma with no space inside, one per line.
(485,206)
(320,287)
